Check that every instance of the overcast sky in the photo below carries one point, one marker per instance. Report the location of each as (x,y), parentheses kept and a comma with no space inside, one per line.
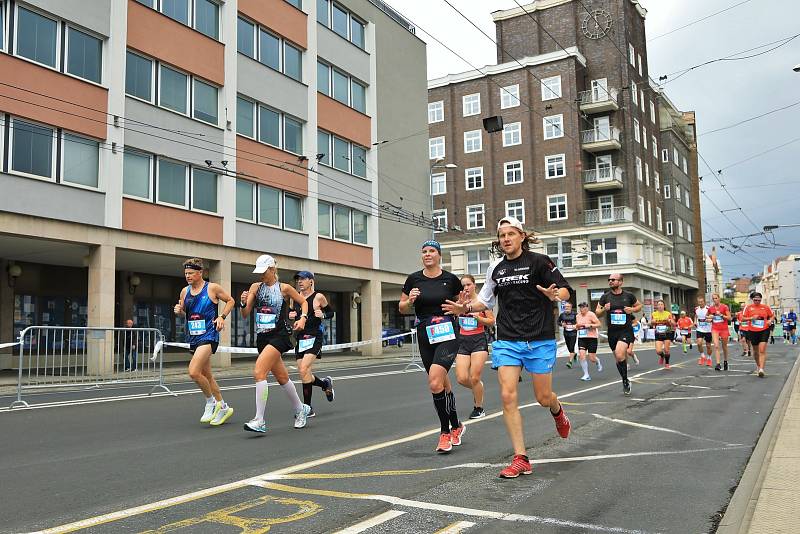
(722,94)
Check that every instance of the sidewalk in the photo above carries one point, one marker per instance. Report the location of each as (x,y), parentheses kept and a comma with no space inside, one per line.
(766,500)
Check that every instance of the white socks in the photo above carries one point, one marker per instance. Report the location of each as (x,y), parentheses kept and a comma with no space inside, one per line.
(291,392)
(262,393)
(585,367)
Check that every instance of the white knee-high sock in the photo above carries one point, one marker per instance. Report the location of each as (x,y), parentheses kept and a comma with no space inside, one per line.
(291,392)
(585,367)
(262,392)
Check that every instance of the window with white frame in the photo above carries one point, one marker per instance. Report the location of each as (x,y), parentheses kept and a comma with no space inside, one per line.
(690,264)
(341,223)
(272,127)
(685,167)
(644,137)
(205,102)
(686,196)
(631,55)
(293,212)
(271,51)
(509,96)
(269,205)
(657,181)
(473,141)
(676,158)
(80,160)
(139,77)
(516,208)
(173,90)
(512,134)
(436,147)
(471,104)
(172,183)
(555,166)
(556,207)
(137,172)
(476,217)
(512,172)
(360,227)
(649,213)
(647,174)
(655,148)
(202,15)
(343,22)
(553,126)
(659,223)
(679,223)
(688,232)
(341,154)
(473,177)
(640,64)
(665,155)
(435,111)
(560,251)
(682,263)
(641,209)
(32,149)
(246,201)
(634,93)
(337,84)
(641,100)
(438,184)
(669,227)
(638,168)
(604,251)
(324,219)
(204,190)
(652,112)
(678,196)
(551,88)
(439,220)
(636,132)
(478,260)
(667,191)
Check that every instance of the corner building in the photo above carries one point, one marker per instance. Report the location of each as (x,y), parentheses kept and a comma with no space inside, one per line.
(134,134)
(577,159)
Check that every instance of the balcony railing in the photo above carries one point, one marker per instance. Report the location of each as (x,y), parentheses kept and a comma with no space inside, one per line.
(603,178)
(609,215)
(597,100)
(600,135)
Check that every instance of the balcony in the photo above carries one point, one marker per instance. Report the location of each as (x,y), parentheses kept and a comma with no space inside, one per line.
(609,215)
(603,179)
(598,100)
(600,140)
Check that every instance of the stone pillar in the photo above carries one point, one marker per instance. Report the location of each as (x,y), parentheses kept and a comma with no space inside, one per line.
(102,280)
(371,313)
(6,315)
(220,273)
(353,318)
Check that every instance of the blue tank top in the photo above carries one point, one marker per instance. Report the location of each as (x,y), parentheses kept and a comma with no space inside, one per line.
(200,314)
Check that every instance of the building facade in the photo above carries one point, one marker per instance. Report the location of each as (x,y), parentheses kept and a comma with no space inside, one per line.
(578,159)
(713,275)
(780,284)
(138,133)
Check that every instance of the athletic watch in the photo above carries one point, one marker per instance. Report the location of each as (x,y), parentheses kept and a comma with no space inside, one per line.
(304,316)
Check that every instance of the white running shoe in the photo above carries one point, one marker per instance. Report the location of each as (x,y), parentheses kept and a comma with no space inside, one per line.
(254,425)
(209,412)
(222,415)
(599,366)
(635,359)
(586,378)
(301,417)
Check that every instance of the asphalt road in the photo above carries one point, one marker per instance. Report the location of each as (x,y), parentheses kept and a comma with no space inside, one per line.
(664,460)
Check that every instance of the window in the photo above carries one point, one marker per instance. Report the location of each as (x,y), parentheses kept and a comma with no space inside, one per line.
(474,178)
(293,62)
(292,212)
(269,206)
(516,208)
(641,99)
(37,37)
(173,90)
(323,78)
(659,223)
(204,190)
(685,167)
(206,102)
(324,147)
(639,56)
(634,93)
(690,265)
(679,223)
(84,54)
(246,38)
(512,134)
(551,88)
(80,160)
(32,149)
(686,197)
(678,192)
(631,55)
(478,261)
(475,217)
(669,227)
(359,96)
(604,251)
(2,28)
(649,213)
(638,168)
(509,96)
(323,12)
(647,174)
(636,133)
(206,18)
(553,126)
(665,155)
(652,112)
(436,148)
(324,227)
(644,137)
(172,182)
(435,111)
(471,104)
(338,19)
(359,227)
(359,161)
(341,87)
(512,170)
(641,209)
(688,233)
(357,30)
(245,117)
(269,50)
(657,181)
(676,158)
(272,51)
(339,22)
(136,173)
(655,147)
(139,77)
(341,154)
(556,207)
(269,126)
(176,9)
(245,200)
(341,223)
(439,220)
(667,191)
(560,252)
(555,166)
(292,135)
(472,141)
(683,263)
(296,3)
(438,184)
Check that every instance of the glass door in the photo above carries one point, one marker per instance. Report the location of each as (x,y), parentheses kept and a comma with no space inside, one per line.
(602,164)
(606,205)
(600,90)
(602,129)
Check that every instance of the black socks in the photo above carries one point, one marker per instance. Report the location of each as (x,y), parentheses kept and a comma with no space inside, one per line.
(308,390)
(440,402)
(622,367)
(318,382)
(451,409)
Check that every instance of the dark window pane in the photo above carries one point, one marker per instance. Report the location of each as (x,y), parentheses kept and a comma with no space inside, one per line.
(323,78)
(359,227)
(292,135)
(270,50)
(36,37)
(357,32)
(206,18)
(324,147)
(245,113)
(206,103)
(341,87)
(359,102)
(172,182)
(339,21)
(322,12)
(341,223)
(296,3)
(84,57)
(176,9)
(324,219)
(293,212)
(293,62)
(33,149)
(81,160)
(204,190)
(139,77)
(341,154)
(269,206)
(173,90)
(245,38)
(270,127)
(136,175)
(244,200)
(359,161)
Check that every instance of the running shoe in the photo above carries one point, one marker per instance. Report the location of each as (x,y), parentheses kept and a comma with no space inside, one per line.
(660,360)
(701,360)
(445,444)
(456,433)
(519,466)
(328,389)
(718,367)
(708,362)
(586,378)
(254,425)
(301,417)
(599,366)
(569,363)
(562,424)
(477,413)
(635,359)
(760,373)
(626,388)
(725,365)
(666,366)
(209,412)
(222,415)
(312,413)
(684,349)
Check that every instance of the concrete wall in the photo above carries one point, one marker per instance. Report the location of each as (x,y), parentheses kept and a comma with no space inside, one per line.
(270,240)
(347,189)
(343,54)
(270,87)
(47,199)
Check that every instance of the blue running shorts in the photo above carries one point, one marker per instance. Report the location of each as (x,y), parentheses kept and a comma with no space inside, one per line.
(537,357)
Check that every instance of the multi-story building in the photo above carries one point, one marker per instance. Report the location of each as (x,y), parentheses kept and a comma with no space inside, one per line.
(780,284)
(134,134)
(713,275)
(578,157)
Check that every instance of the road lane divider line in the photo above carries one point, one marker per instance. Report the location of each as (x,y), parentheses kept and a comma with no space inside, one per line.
(456,528)
(690,386)
(700,397)
(371,522)
(661,429)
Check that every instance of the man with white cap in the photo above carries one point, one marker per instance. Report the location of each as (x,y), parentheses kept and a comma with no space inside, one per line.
(273,338)
(526,285)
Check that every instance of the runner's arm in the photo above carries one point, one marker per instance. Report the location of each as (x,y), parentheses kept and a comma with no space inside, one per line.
(179,306)
(251,299)
(488,320)
(224,296)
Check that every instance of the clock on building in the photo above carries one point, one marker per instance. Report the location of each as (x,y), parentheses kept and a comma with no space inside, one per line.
(596,24)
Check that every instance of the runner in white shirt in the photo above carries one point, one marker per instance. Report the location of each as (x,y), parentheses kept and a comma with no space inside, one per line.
(702,324)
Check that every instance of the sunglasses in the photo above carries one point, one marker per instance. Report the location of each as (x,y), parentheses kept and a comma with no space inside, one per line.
(613,279)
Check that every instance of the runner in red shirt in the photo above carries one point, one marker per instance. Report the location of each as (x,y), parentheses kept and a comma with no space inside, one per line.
(760,317)
(685,330)
(744,334)
(720,317)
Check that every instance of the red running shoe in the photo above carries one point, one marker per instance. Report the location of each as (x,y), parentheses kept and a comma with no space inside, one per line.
(519,466)
(456,433)
(445,444)
(708,362)
(660,360)
(562,424)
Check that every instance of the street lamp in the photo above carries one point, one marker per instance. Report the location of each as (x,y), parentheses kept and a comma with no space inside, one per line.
(796,68)
(438,163)
(771,227)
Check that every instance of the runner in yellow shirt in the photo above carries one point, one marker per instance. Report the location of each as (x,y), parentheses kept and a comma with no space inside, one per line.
(664,322)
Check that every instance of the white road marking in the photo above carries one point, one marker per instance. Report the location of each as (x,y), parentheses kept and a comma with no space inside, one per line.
(680,398)
(456,528)
(661,429)
(371,522)
(690,386)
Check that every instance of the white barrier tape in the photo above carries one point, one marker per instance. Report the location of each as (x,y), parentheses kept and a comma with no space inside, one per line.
(252,350)
(6,345)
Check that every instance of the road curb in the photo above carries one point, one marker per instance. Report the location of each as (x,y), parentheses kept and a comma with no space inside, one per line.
(739,513)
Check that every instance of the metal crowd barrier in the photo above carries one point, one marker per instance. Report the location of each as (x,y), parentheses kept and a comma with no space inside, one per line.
(65,357)
(416,360)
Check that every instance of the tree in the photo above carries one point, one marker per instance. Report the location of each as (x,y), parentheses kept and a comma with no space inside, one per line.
(732,304)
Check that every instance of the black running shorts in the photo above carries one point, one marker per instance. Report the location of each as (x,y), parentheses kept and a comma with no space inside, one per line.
(706,336)
(443,353)
(759,337)
(471,344)
(280,340)
(570,338)
(625,335)
(589,344)
(214,345)
(666,336)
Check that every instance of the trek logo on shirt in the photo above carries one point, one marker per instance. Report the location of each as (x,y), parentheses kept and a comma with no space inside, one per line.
(514,279)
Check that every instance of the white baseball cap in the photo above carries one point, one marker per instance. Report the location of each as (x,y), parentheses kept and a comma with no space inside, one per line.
(512,221)
(264,262)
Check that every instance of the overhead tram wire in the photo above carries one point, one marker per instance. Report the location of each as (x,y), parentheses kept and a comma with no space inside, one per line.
(696,21)
(749,119)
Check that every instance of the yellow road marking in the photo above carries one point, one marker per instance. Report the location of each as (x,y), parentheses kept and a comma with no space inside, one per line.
(456,528)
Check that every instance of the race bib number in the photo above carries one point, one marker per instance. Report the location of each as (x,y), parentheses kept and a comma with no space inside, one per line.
(618,318)
(265,322)
(438,333)
(790,323)
(583,332)
(305,344)
(684,332)
(468,323)
(758,323)
(197,327)
(569,327)
(661,328)
(718,318)
(703,326)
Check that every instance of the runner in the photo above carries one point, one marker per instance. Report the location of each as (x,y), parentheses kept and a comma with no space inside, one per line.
(567,321)
(760,317)
(588,323)
(198,302)
(664,322)
(785,328)
(309,340)
(744,334)
(473,349)
(720,315)
(620,305)
(685,330)
(425,292)
(273,338)
(791,323)
(703,327)
(737,321)
(525,284)
(637,338)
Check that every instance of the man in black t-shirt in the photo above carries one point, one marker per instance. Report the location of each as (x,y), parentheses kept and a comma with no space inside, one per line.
(620,306)
(567,321)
